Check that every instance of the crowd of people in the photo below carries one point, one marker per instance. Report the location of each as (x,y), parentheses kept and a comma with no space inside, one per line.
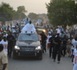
(58,41)
(6,46)
(7,43)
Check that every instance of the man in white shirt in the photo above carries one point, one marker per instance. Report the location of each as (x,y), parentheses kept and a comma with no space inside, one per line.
(3,59)
(75,59)
(74,42)
(5,44)
(58,31)
(28,28)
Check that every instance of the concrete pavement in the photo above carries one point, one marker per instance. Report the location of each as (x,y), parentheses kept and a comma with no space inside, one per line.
(45,64)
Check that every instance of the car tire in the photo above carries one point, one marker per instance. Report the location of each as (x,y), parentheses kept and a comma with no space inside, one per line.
(40,58)
(14,56)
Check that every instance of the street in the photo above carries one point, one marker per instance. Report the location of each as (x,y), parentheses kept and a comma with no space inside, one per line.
(45,64)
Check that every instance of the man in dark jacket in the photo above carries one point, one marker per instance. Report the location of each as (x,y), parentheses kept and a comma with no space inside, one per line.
(11,43)
(51,45)
(57,48)
(64,40)
(43,41)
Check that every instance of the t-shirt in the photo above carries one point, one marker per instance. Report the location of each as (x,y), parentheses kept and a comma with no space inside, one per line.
(1,42)
(74,42)
(3,59)
(48,37)
(5,45)
(58,30)
(4,42)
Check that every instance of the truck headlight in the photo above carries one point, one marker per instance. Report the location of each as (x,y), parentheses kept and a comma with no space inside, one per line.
(17,48)
(38,48)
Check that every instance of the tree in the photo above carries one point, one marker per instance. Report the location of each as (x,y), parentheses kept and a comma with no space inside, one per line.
(21,9)
(21,12)
(62,12)
(33,16)
(6,12)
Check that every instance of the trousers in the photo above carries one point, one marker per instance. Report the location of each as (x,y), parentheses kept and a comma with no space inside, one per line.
(75,67)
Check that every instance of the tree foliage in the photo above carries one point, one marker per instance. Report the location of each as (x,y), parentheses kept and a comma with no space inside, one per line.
(62,12)
(33,15)
(8,13)
(21,12)
(21,9)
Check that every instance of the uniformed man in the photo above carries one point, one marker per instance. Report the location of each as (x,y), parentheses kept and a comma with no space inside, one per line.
(57,48)
(51,45)
(11,42)
(43,41)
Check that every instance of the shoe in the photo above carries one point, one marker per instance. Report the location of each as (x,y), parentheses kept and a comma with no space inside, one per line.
(53,60)
(58,62)
(50,56)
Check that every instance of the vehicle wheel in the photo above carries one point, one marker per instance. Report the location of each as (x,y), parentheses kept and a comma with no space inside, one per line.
(14,56)
(40,58)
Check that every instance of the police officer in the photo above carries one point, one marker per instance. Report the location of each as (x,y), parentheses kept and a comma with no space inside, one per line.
(11,43)
(43,41)
(51,45)
(57,48)
(64,40)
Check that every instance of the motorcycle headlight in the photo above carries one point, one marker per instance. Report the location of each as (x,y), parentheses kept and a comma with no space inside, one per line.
(16,47)
(38,48)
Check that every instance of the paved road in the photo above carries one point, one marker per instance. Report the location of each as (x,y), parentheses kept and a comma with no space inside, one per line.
(45,64)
